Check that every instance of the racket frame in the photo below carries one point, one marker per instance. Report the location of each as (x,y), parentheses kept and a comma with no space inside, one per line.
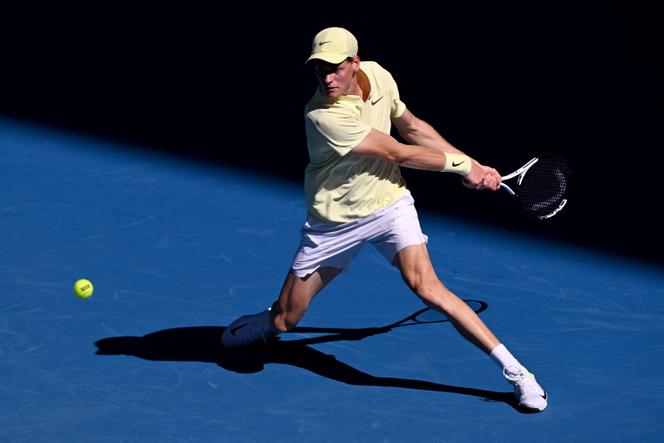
(519,172)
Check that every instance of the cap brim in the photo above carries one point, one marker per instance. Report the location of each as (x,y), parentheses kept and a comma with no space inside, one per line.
(329,57)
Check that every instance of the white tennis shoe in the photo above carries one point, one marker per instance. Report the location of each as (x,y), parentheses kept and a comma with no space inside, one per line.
(248,330)
(528,392)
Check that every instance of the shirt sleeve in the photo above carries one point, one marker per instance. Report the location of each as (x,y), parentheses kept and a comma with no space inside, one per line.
(337,130)
(397,106)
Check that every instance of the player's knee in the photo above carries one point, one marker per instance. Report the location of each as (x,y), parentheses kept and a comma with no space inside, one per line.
(431,294)
(428,288)
(418,282)
(424,288)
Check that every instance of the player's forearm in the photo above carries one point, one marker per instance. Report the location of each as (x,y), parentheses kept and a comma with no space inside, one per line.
(420,157)
(379,144)
(432,159)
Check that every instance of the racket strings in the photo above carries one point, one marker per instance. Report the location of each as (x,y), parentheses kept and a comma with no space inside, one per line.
(544,187)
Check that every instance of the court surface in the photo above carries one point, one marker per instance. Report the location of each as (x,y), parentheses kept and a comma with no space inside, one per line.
(176,250)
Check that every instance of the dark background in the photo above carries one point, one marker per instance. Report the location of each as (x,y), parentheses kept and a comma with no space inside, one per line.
(227,85)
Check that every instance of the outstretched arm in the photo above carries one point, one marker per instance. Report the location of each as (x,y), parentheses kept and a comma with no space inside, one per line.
(418,132)
(379,144)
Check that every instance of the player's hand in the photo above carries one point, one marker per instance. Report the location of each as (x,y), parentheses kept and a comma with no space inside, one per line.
(482,177)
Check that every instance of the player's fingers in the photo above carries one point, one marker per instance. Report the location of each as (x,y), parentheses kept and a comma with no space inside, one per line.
(493,181)
(495,175)
(487,181)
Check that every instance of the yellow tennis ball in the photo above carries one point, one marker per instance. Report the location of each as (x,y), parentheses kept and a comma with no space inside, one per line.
(83,288)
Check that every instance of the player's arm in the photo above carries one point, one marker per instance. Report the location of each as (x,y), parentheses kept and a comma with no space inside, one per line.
(418,132)
(379,144)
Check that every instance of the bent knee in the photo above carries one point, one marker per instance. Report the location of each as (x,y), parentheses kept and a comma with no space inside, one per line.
(433,293)
(431,290)
(424,285)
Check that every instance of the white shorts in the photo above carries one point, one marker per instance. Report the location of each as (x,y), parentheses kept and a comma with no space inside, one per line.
(389,229)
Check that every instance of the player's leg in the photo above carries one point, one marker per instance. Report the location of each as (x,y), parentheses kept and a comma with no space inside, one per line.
(417,271)
(285,313)
(324,251)
(296,295)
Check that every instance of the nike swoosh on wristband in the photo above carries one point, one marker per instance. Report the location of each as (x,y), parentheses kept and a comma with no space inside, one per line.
(454,164)
(235,329)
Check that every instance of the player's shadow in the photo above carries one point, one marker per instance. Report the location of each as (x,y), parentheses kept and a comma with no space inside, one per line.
(203,344)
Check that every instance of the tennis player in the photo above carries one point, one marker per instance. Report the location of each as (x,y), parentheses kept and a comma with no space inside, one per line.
(356,195)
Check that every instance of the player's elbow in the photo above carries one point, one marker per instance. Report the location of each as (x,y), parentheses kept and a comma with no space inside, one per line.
(394,151)
(378,144)
(401,155)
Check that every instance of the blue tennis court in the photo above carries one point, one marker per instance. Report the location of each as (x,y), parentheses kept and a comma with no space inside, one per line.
(177,249)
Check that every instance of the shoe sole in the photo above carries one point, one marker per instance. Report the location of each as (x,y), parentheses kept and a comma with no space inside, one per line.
(529,410)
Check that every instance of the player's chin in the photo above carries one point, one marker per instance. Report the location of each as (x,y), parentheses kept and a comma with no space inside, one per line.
(332,92)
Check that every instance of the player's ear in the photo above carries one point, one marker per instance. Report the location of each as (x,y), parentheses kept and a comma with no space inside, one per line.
(356,63)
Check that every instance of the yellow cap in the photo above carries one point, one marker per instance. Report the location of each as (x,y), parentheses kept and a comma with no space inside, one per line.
(333,45)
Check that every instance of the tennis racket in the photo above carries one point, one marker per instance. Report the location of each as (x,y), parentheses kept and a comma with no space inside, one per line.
(541,186)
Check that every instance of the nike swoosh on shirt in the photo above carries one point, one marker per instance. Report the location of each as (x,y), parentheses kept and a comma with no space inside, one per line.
(373,102)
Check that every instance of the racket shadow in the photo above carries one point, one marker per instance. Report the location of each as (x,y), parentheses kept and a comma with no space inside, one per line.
(423,316)
(203,344)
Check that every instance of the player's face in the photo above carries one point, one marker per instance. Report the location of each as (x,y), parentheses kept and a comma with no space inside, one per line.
(336,80)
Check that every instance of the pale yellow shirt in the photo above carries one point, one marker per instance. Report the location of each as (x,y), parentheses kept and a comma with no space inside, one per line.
(341,186)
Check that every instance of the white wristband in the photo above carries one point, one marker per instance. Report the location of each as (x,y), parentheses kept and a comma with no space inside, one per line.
(457,163)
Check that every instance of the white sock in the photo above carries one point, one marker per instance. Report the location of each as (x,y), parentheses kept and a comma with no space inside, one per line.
(506,360)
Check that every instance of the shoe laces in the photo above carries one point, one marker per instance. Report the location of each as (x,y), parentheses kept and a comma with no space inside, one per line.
(524,381)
